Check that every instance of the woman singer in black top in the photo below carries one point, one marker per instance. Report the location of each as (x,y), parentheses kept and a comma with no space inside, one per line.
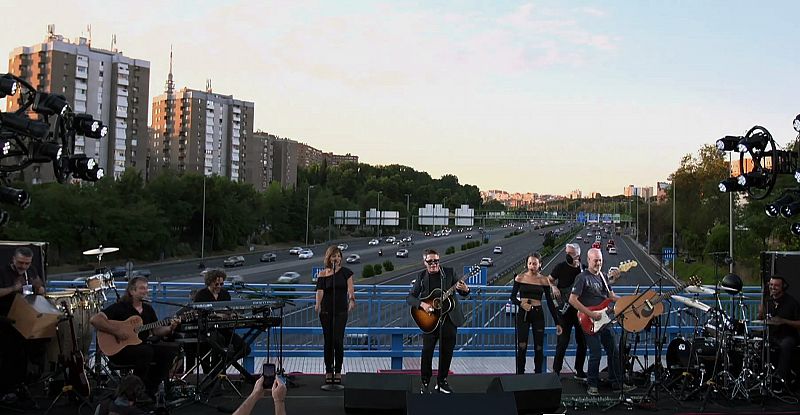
(527,295)
(335,298)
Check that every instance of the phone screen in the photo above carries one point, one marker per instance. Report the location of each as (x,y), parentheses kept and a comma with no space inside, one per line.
(268,372)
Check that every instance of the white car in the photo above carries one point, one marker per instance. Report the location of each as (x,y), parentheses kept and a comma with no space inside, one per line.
(390,240)
(612,250)
(486,262)
(498,250)
(353,259)
(289,277)
(407,239)
(578,238)
(305,254)
(296,250)
(403,253)
(373,242)
(343,246)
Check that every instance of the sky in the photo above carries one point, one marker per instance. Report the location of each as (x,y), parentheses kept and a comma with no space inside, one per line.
(523,96)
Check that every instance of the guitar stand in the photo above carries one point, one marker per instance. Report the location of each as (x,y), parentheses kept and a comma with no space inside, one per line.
(657,372)
(68,392)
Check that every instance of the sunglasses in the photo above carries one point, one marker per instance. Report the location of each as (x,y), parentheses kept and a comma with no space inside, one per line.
(431,261)
(219,284)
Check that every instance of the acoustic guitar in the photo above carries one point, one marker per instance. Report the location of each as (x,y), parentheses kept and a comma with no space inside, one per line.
(640,309)
(109,344)
(429,322)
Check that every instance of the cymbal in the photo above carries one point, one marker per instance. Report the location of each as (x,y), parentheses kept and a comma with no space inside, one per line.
(692,303)
(699,289)
(101,251)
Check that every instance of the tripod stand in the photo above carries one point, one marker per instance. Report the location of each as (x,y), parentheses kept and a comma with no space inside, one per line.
(657,371)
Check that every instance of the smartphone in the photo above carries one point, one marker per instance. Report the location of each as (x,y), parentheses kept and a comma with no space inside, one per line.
(281,379)
(268,373)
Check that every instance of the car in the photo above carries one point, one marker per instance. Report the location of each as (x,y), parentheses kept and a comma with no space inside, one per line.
(234,279)
(353,259)
(403,253)
(428,233)
(233,261)
(612,250)
(510,308)
(305,254)
(486,262)
(498,250)
(437,234)
(578,238)
(296,250)
(289,277)
(598,238)
(390,239)
(119,273)
(596,245)
(468,236)
(373,242)
(586,241)
(269,257)
(343,246)
(406,239)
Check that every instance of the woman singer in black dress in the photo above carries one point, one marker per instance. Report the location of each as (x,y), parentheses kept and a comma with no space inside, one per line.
(335,298)
(527,295)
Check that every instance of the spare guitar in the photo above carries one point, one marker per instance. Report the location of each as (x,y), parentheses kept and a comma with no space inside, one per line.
(75,370)
(562,304)
(109,344)
(429,322)
(640,309)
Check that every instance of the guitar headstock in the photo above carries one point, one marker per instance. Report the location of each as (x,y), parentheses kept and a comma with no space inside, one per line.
(627,265)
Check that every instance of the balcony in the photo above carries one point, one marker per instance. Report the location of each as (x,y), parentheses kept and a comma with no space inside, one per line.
(122,80)
(210,105)
(122,92)
(81,73)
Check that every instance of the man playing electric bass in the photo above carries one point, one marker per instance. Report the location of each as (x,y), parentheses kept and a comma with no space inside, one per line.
(591,289)
(140,355)
(427,282)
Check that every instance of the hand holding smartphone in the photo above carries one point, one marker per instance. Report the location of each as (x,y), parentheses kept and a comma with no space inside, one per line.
(268,373)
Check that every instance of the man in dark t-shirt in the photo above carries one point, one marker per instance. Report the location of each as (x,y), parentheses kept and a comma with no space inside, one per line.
(564,276)
(783,313)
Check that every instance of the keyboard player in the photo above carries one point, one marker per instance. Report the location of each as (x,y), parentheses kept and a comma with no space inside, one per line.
(237,349)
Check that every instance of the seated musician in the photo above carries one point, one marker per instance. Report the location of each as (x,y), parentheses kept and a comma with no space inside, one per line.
(151,360)
(18,277)
(214,280)
(784,322)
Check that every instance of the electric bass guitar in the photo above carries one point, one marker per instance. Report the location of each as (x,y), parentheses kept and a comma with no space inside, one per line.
(638,309)
(109,344)
(562,304)
(75,370)
(441,303)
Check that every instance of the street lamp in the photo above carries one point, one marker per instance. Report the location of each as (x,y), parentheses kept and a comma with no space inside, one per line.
(408,212)
(203,226)
(308,207)
(379,213)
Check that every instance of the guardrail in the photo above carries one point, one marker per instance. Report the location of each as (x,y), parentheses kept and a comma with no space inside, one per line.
(380,325)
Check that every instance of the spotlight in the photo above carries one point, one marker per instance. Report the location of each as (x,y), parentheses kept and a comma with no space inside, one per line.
(87,126)
(774,208)
(796,229)
(8,86)
(753,179)
(728,143)
(14,196)
(797,175)
(42,151)
(796,123)
(50,104)
(756,141)
(85,168)
(5,147)
(730,185)
(21,124)
(790,209)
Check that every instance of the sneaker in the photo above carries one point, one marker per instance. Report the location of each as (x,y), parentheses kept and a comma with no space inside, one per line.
(443,387)
(593,391)
(625,387)
(423,388)
(581,377)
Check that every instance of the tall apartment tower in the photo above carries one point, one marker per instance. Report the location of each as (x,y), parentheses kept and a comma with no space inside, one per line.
(111,87)
(201,131)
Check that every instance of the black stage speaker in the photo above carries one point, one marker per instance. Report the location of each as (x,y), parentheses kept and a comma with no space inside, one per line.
(461,404)
(39,249)
(372,392)
(534,393)
(783,264)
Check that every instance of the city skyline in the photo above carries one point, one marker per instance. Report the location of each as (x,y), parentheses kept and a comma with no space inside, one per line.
(523,96)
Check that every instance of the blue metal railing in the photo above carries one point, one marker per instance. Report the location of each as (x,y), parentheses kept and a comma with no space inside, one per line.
(380,326)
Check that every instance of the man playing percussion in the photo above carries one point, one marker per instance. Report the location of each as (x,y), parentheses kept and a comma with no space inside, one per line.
(783,313)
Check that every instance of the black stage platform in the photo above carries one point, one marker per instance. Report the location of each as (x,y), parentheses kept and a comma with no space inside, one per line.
(307,398)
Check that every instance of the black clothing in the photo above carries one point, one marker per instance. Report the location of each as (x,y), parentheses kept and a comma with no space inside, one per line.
(423,287)
(565,275)
(9,277)
(205,296)
(152,361)
(334,290)
(591,289)
(333,316)
(785,307)
(15,351)
(533,291)
(535,320)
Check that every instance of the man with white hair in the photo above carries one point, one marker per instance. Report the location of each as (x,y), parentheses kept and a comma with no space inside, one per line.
(564,276)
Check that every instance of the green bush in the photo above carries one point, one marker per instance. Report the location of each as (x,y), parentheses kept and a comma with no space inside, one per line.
(368,271)
(450,250)
(463,247)
(377,269)
(388,266)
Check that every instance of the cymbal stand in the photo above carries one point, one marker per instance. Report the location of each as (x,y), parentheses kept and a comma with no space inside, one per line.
(724,377)
(686,377)
(657,370)
(745,381)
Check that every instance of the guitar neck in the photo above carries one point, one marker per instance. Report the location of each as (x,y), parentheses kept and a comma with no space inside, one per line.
(452,289)
(160,323)
(669,294)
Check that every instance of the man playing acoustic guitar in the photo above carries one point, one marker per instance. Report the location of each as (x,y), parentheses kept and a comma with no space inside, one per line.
(139,355)
(591,289)
(429,280)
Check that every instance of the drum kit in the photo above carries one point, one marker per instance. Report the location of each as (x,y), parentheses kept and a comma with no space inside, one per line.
(727,355)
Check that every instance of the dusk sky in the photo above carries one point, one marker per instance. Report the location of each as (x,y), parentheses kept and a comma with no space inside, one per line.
(525,96)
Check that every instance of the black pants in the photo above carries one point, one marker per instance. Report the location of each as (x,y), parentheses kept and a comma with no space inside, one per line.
(525,320)
(785,347)
(568,321)
(13,358)
(448,334)
(333,333)
(161,355)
